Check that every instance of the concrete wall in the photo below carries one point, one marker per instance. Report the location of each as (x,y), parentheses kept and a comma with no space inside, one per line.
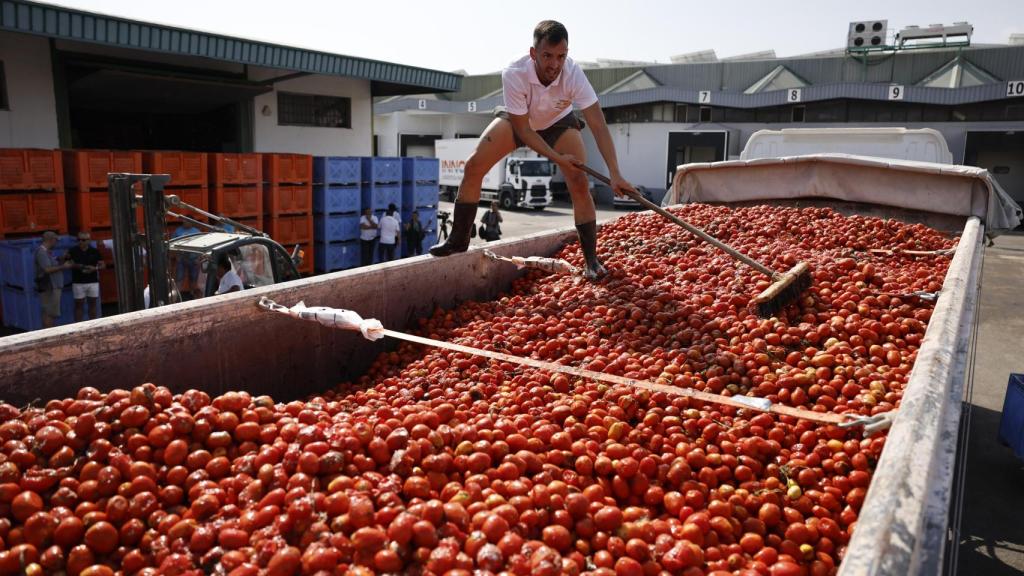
(268,136)
(31,118)
(388,127)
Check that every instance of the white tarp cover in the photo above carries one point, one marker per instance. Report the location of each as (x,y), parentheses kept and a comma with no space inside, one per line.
(938,188)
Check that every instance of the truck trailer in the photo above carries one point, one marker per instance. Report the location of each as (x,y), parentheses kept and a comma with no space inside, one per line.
(520,180)
(228,342)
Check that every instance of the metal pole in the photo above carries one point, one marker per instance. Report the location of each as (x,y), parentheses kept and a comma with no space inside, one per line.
(155,214)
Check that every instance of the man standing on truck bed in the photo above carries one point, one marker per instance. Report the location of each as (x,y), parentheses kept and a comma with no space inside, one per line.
(540,90)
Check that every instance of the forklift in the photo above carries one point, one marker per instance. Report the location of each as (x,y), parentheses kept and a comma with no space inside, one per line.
(255,257)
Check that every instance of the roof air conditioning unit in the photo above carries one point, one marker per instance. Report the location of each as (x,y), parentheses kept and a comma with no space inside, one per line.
(867,35)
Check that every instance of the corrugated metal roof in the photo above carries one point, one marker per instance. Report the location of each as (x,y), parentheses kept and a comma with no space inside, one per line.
(70,24)
(829,77)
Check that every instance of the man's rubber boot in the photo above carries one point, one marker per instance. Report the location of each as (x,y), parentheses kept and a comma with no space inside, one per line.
(593,270)
(458,240)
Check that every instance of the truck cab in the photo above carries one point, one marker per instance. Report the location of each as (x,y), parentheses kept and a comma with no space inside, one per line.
(528,183)
(257,260)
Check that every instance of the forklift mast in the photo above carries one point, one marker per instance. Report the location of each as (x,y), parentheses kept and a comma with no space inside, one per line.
(135,250)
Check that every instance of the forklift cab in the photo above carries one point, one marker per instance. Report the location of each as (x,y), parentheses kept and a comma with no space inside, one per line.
(258,261)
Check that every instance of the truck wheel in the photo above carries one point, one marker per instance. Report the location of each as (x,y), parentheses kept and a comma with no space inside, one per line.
(507,203)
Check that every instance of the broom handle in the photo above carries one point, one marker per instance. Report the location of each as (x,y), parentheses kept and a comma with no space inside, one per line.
(689,227)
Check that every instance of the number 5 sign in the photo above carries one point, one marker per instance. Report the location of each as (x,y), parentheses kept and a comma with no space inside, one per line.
(794,95)
(471,107)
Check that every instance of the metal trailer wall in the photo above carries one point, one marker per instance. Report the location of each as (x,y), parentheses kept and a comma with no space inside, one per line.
(226,342)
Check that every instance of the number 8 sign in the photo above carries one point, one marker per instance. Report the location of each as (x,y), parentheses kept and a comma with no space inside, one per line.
(794,95)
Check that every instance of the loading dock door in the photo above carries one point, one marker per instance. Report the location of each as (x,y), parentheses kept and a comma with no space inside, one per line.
(124,107)
(1002,154)
(694,146)
(417,144)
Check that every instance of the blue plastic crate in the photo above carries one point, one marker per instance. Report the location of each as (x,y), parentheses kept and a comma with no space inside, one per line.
(17,260)
(420,169)
(418,194)
(378,196)
(337,199)
(382,169)
(331,256)
(21,308)
(337,170)
(1011,424)
(336,227)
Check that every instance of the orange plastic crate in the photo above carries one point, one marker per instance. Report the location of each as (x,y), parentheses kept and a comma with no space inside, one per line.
(31,169)
(198,197)
(33,212)
(288,168)
(279,200)
(290,229)
(237,201)
(253,221)
(88,169)
(185,168)
(235,169)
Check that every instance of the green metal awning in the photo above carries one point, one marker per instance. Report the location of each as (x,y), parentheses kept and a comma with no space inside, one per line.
(77,25)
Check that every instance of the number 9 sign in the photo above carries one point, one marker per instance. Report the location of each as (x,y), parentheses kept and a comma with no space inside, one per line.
(896,92)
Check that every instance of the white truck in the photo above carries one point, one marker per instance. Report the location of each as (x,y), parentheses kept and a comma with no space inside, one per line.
(521,179)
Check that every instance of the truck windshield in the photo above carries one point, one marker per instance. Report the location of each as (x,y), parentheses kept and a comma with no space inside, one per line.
(536,168)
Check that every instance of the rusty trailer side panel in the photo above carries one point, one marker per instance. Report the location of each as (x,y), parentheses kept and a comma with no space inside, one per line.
(228,343)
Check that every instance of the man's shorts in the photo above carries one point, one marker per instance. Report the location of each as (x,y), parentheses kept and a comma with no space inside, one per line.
(50,302)
(549,134)
(90,290)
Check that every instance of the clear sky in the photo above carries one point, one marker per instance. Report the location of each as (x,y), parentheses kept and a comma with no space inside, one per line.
(481,36)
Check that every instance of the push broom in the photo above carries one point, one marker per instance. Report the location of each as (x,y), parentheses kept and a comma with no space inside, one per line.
(785,288)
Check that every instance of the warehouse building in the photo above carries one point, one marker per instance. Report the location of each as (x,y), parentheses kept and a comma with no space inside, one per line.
(700,108)
(74,79)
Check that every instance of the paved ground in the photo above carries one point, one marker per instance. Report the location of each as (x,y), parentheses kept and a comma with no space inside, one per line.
(522,222)
(992,530)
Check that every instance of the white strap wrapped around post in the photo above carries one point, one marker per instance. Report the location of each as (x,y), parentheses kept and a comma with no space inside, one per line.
(551,265)
(371,328)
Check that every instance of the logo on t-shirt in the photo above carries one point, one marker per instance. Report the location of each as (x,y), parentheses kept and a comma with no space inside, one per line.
(562,104)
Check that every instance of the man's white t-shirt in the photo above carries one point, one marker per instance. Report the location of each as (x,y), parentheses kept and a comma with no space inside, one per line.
(388,229)
(229,280)
(524,94)
(367,234)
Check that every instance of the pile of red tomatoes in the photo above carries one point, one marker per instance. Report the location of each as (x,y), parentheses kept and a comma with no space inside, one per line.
(436,462)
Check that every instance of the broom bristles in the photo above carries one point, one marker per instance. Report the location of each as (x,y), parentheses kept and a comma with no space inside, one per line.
(784,291)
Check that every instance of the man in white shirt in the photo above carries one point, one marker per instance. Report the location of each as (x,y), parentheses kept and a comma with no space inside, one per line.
(367,236)
(540,91)
(389,232)
(229,280)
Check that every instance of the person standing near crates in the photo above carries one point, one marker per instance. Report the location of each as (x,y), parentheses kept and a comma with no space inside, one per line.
(86,263)
(390,234)
(368,226)
(540,90)
(49,279)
